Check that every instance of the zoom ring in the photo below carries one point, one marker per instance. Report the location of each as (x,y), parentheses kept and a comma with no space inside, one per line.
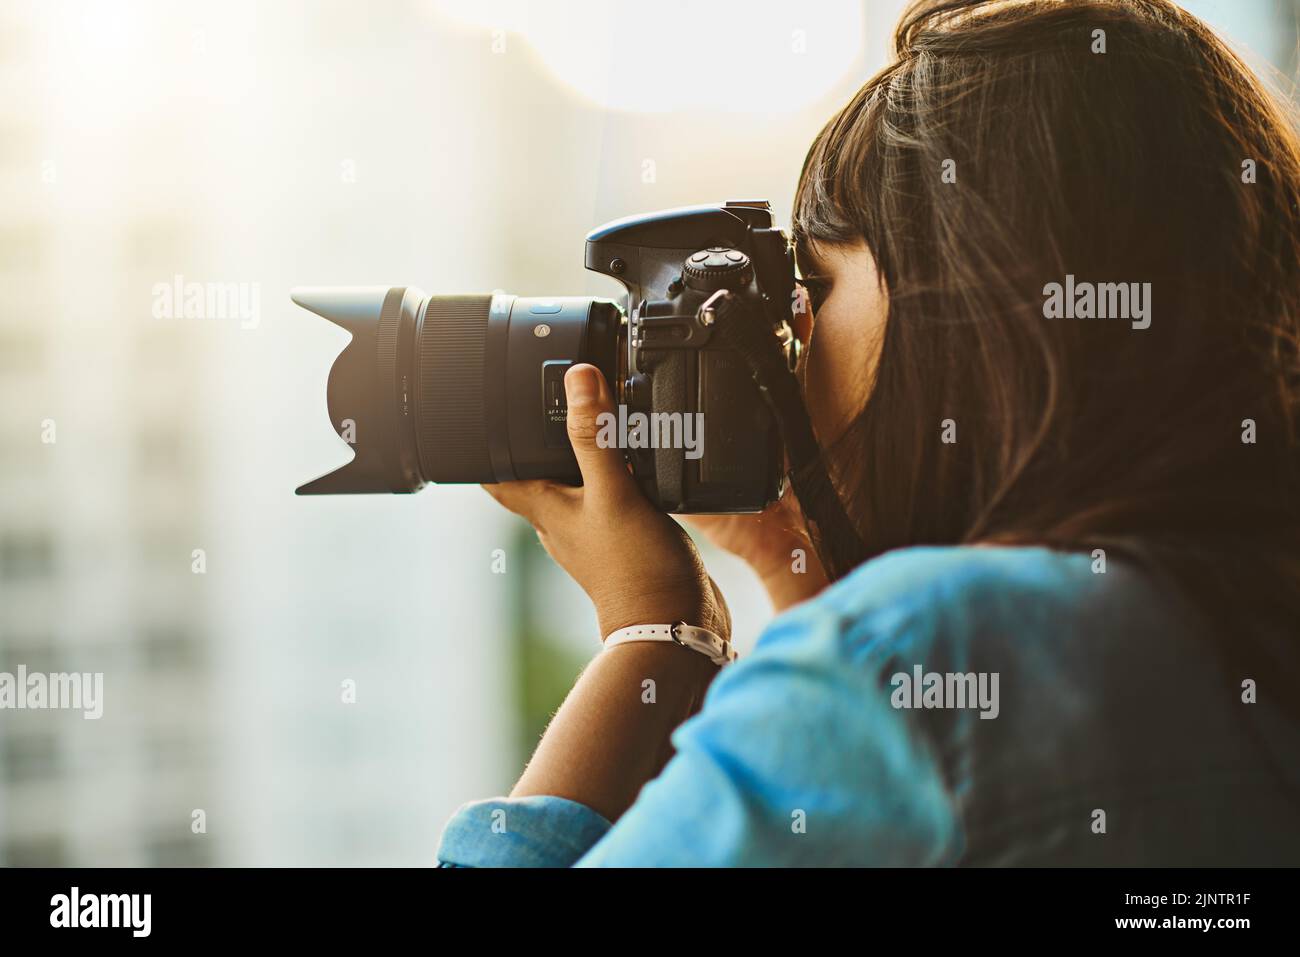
(451,429)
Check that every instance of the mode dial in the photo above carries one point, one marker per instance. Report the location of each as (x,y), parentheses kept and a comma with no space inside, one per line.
(718,267)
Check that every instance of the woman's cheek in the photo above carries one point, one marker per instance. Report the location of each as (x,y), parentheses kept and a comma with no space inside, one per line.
(835,374)
(814,390)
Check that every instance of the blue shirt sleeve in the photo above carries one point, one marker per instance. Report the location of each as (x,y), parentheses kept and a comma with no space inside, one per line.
(759,778)
(520,832)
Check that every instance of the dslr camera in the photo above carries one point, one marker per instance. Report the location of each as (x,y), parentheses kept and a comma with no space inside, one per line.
(470,388)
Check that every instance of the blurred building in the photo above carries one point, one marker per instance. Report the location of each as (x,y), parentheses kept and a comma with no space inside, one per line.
(103,496)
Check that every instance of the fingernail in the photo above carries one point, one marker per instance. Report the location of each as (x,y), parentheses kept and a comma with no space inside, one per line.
(581,384)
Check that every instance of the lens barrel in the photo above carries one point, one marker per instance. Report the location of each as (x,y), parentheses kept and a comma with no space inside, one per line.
(455,389)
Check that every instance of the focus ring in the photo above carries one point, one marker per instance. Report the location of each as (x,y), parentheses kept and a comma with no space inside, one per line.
(452,427)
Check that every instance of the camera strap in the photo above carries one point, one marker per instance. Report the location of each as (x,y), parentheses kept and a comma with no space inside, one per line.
(832,534)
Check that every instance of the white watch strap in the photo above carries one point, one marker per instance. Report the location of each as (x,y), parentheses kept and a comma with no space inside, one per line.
(714,647)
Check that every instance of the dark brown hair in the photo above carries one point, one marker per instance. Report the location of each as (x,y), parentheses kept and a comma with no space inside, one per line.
(1128,165)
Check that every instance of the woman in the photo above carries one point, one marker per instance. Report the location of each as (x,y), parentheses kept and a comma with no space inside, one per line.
(1072,635)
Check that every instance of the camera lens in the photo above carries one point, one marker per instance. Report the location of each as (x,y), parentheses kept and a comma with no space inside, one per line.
(455,389)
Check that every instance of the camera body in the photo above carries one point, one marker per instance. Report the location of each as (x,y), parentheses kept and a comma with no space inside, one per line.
(671,263)
(471,388)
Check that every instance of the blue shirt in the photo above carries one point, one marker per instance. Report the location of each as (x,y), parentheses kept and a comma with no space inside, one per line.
(1110,735)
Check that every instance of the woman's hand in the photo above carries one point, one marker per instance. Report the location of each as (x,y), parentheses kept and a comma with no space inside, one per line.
(774,544)
(637,565)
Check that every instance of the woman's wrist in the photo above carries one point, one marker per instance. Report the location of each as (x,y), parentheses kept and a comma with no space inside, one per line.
(627,610)
(646,598)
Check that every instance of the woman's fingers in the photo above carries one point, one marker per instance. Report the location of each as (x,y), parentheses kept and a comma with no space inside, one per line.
(604,472)
(604,475)
(534,500)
